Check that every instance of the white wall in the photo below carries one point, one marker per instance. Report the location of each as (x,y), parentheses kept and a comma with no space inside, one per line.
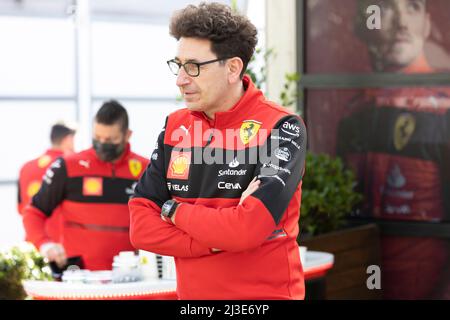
(37,59)
(281,36)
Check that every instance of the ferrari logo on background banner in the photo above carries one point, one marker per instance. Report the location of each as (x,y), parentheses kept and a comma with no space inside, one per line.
(92,186)
(135,167)
(404,129)
(44,161)
(179,165)
(248,131)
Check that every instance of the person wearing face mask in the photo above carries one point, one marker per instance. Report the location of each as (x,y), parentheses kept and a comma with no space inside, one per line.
(30,175)
(92,189)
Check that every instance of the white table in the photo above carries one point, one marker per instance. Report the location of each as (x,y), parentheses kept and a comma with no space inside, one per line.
(151,289)
(316,265)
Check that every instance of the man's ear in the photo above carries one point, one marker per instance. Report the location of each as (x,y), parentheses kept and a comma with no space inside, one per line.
(128,135)
(235,66)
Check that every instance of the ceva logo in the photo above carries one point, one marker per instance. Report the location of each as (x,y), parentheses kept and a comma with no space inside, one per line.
(229,186)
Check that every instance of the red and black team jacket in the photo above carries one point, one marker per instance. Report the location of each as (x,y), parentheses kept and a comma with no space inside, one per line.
(30,179)
(398,142)
(92,196)
(259,257)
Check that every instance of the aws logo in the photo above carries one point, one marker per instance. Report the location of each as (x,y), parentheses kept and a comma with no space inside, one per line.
(291,129)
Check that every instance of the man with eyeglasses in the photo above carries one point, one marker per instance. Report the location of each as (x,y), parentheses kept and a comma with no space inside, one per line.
(231,223)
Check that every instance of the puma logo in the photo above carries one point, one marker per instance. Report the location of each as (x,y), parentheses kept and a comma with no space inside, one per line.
(186,130)
(84,163)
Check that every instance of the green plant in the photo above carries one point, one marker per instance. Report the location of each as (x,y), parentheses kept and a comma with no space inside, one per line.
(289,95)
(17,264)
(328,194)
(258,74)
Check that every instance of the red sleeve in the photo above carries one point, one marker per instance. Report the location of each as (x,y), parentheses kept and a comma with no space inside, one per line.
(34,224)
(22,197)
(234,229)
(149,232)
(20,201)
(20,207)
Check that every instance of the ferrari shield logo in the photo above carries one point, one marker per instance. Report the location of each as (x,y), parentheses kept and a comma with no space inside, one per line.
(248,131)
(404,128)
(135,167)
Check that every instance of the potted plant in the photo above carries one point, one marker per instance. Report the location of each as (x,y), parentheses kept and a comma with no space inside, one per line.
(328,198)
(17,264)
(328,195)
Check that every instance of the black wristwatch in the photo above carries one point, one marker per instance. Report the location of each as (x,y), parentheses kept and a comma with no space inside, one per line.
(168,208)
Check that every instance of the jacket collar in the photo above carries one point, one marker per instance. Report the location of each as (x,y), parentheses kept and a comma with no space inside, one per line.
(239,111)
(54,153)
(420,65)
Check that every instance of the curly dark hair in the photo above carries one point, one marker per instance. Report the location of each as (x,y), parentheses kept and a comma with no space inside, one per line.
(231,34)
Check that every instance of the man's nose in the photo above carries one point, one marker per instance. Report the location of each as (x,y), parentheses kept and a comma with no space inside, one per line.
(401,17)
(182,78)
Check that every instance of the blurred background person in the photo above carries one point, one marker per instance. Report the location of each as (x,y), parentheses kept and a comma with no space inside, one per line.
(398,141)
(31,173)
(92,189)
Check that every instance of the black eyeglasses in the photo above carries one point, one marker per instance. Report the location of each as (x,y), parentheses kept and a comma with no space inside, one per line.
(191,68)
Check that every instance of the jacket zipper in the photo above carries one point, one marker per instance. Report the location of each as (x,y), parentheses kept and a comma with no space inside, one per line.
(211,136)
